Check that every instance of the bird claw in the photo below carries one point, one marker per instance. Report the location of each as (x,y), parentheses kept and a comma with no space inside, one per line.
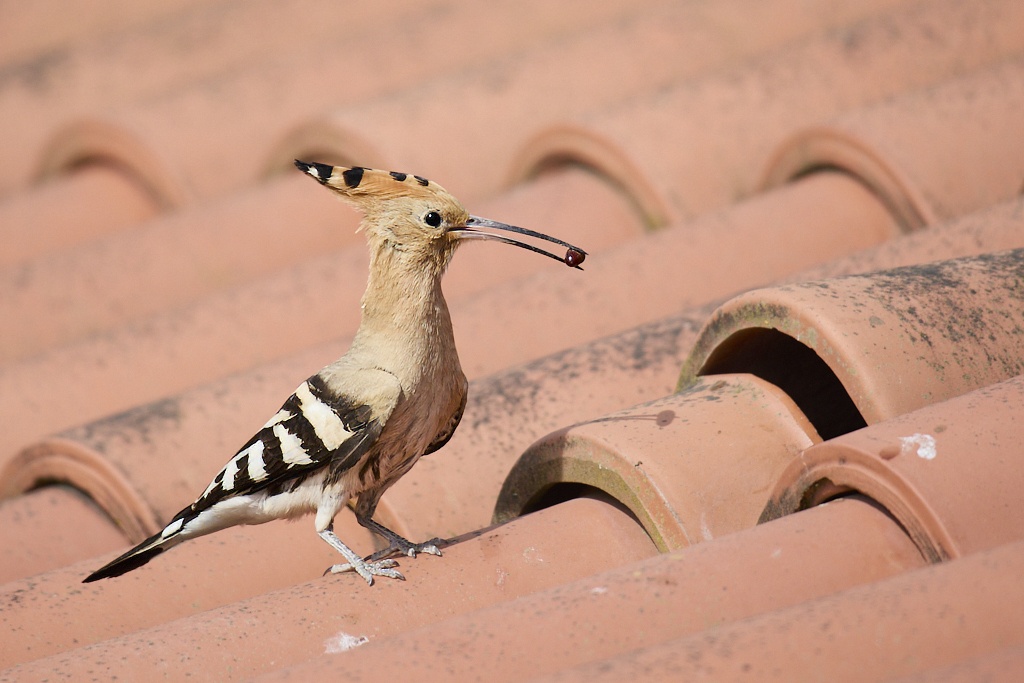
(402,547)
(368,569)
(380,564)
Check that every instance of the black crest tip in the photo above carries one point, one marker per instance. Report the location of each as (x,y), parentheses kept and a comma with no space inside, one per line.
(322,172)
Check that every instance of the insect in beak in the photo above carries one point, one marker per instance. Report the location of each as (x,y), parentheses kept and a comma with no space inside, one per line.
(574,256)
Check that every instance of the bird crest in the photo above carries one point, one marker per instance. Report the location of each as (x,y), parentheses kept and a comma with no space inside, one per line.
(358,183)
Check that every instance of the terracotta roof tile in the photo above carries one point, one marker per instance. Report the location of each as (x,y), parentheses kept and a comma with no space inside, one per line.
(128,274)
(995,228)
(816,218)
(618,610)
(311,304)
(44,26)
(89,203)
(949,472)
(638,365)
(725,127)
(865,348)
(196,430)
(669,270)
(774,142)
(1000,665)
(49,528)
(219,569)
(930,154)
(489,567)
(691,466)
(933,617)
(550,294)
(280,64)
(683,466)
(522,94)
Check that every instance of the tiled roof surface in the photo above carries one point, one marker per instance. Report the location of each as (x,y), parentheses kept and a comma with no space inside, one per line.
(770,433)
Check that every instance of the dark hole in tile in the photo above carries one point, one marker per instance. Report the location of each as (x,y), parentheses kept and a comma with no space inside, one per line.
(560,493)
(796,369)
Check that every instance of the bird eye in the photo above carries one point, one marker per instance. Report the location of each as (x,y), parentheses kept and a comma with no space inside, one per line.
(433,219)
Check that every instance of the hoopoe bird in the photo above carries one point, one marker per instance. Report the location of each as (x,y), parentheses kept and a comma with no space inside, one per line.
(353,429)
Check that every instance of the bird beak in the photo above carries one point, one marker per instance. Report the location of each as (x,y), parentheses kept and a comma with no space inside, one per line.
(574,256)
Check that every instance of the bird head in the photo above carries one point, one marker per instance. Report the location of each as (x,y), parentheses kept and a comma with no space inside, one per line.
(417,219)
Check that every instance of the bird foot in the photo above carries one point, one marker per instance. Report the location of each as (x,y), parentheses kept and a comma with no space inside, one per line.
(368,569)
(380,562)
(400,546)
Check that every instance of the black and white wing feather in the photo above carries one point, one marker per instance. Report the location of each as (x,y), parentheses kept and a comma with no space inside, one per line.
(314,429)
(311,430)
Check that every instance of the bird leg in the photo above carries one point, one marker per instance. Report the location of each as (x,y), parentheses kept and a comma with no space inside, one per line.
(367,568)
(397,544)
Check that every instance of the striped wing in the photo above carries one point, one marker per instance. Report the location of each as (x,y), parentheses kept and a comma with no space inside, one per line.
(312,429)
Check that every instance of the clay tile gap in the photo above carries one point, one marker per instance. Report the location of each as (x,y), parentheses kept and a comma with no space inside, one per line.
(861,349)
(689,467)
(950,473)
(794,367)
(58,460)
(93,141)
(568,145)
(826,149)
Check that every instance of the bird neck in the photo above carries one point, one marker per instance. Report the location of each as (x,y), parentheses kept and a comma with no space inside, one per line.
(403,307)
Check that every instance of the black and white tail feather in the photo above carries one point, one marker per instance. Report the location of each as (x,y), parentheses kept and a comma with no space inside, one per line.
(315,438)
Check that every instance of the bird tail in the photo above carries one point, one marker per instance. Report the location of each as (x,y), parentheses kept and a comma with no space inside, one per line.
(163,540)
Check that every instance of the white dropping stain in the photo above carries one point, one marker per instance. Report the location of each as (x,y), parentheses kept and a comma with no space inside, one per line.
(502,575)
(343,642)
(922,444)
(704,530)
(777,553)
(531,554)
(598,590)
